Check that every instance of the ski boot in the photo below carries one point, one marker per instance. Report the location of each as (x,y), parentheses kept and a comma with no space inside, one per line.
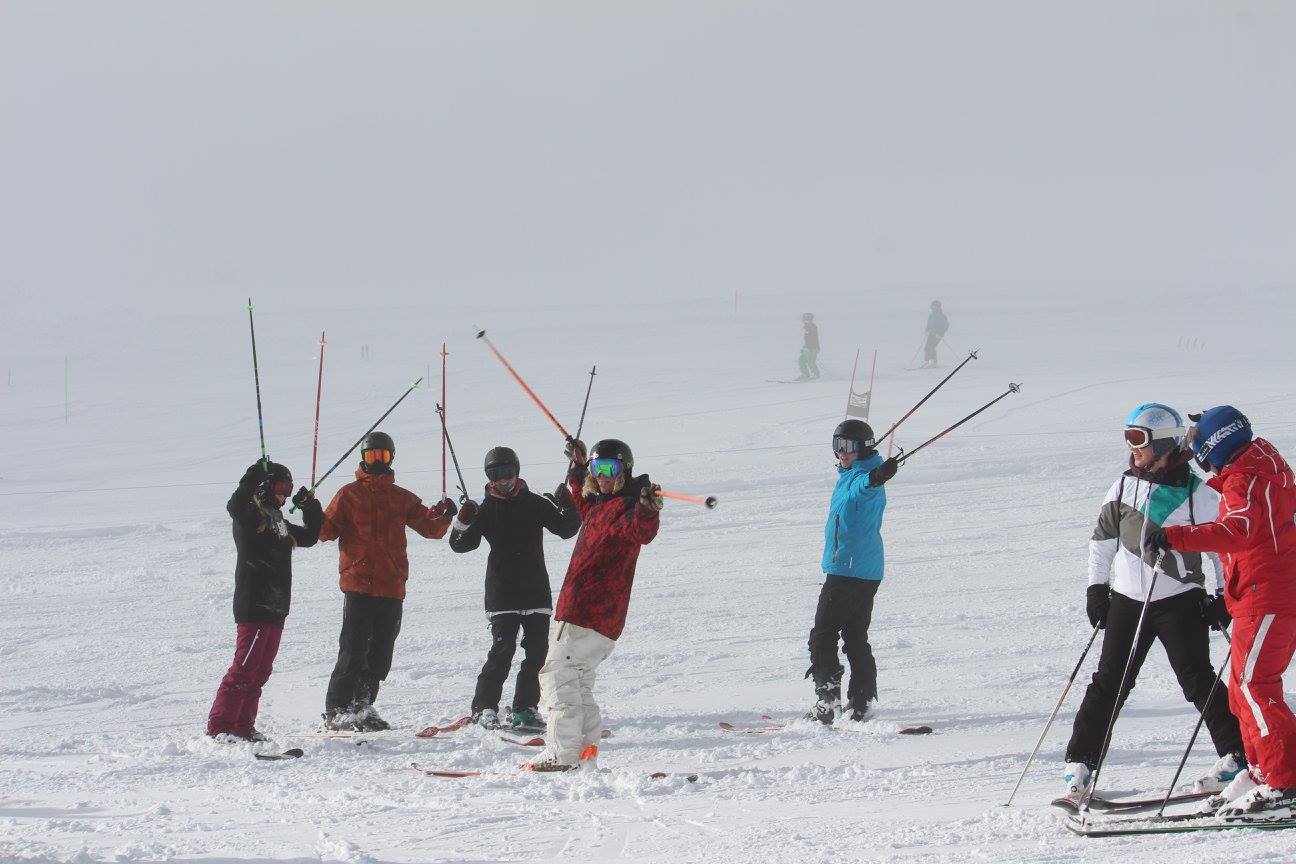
(486,718)
(339,720)
(1264,803)
(1228,767)
(369,721)
(256,736)
(1077,777)
(857,711)
(526,720)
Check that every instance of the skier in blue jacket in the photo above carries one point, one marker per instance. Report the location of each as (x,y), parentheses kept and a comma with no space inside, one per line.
(852,566)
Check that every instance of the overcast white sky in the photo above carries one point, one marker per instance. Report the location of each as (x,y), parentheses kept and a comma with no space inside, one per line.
(203,150)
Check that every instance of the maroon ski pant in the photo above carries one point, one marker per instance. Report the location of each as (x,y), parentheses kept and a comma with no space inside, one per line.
(235,708)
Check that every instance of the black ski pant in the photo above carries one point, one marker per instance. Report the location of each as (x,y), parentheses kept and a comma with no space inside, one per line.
(504,636)
(1177,622)
(845,611)
(929,348)
(369,628)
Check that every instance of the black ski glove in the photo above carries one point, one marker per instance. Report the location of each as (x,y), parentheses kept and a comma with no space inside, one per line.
(467,512)
(575,451)
(445,507)
(1156,540)
(255,473)
(884,472)
(303,495)
(648,496)
(1097,602)
(1214,612)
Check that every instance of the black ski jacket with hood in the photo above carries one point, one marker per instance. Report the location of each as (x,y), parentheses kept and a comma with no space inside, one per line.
(265,541)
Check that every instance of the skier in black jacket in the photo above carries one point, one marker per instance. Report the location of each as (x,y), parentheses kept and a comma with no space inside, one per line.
(512,519)
(262,590)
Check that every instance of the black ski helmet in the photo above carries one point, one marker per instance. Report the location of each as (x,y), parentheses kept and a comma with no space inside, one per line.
(856,430)
(379,441)
(611,448)
(502,463)
(277,474)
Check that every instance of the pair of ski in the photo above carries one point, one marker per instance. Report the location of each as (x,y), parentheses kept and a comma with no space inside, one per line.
(451,774)
(1178,823)
(769,724)
(464,722)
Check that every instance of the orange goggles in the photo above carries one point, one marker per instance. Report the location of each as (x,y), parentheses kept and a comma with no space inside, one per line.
(372,456)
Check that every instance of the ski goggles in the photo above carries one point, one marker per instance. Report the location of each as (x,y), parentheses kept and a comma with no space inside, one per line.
(606,467)
(372,456)
(282,488)
(845,445)
(504,471)
(1138,437)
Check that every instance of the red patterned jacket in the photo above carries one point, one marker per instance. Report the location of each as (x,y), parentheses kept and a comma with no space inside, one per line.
(596,592)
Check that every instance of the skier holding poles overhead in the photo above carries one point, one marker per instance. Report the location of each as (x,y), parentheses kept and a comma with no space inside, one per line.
(1137,601)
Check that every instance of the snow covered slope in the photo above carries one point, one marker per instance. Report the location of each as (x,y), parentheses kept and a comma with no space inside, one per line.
(116,575)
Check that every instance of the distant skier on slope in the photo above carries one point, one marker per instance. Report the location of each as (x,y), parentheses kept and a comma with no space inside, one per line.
(808,360)
(368,518)
(619,514)
(513,520)
(937,326)
(262,590)
(852,566)
(1255,533)
(1158,489)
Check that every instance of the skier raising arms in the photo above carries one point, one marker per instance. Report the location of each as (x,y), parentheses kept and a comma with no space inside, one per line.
(852,566)
(619,514)
(262,590)
(1158,489)
(1255,534)
(513,520)
(368,518)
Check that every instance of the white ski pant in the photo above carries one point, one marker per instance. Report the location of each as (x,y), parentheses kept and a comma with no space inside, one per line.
(567,690)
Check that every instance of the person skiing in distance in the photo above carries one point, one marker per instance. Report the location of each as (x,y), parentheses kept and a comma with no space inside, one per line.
(619,514)
(1158,489)
(852,566)
(262,590)
(808,361)
(937,325)
(513,519)
(368,518)
(1255,534)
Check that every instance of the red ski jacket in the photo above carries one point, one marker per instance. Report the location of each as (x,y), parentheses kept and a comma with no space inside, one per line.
(368,518)
(596,592)
(1254,533)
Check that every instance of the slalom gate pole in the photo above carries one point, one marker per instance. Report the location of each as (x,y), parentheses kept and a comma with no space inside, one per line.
(1012,388)
(256,376)
(444,355)
(445,436)
(851,391)
(518,378)
(360,440)
(319,390)
(972,355)
(1201,716)
(1053,716)
(1129,666)
(709,501)
(581,425)
(872,373)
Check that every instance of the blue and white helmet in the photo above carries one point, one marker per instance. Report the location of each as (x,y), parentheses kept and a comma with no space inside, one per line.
(1156,424)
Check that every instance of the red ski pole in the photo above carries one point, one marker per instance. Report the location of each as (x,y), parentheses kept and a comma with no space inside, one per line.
(709,502)
(444,354)
(518,378)
(319,389)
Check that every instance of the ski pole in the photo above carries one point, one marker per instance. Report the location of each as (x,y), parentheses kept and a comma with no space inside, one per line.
(1053,716)
(709,501)
(444,355)
(581,425)
(518,378)
(972,355)
(445,436)
(319,389)
(1012,388)
(360,440)
(256,376)
(1197,728)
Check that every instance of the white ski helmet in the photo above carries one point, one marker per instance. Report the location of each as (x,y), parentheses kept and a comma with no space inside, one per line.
(1156,424)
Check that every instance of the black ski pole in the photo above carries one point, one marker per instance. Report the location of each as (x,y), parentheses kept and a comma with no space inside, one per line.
(445,433)
(1197,728)
(1012,388)
(1053,716)
(581,425)
(256,376)
(360,440)
(972,355)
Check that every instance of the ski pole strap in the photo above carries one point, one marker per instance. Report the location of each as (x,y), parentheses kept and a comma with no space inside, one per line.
(518,378)
(445,436)
(709,501)
(972,355)
(1012,388)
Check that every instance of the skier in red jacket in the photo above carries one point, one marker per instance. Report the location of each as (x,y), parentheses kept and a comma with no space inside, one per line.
(619,514)
(1256,538)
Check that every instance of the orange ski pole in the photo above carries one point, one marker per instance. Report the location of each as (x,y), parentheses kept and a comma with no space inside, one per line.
(518,378)
(709,502)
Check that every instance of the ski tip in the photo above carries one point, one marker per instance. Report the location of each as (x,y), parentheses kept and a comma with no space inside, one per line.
(916,730)
(711,502)
(295,752)
(726,726)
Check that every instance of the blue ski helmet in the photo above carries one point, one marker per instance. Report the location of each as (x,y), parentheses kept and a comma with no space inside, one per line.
(1219,434)
(1156,424)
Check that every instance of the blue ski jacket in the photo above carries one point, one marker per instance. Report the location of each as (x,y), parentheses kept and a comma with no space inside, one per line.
(853,535)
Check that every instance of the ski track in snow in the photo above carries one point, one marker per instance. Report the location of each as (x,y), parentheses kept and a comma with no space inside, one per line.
(118,627)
